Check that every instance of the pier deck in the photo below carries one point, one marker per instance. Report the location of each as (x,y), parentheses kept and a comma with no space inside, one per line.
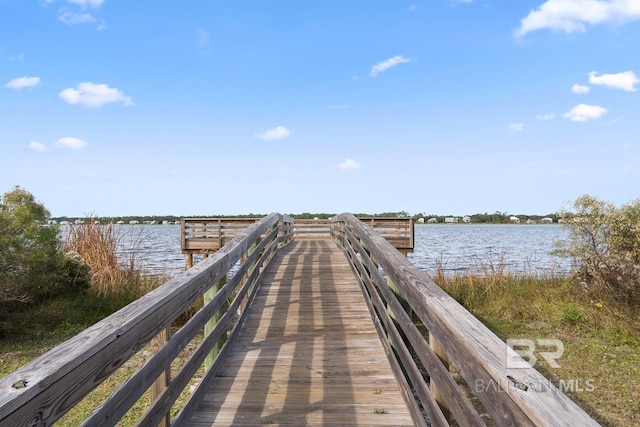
(308,354)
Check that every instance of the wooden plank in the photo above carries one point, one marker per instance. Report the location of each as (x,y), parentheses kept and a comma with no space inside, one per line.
(55,381)
(478,354)
(308,353)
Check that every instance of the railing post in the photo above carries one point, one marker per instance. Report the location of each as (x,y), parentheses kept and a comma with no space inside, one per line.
(211,324)
(435,391)
(252,266)
(163,380)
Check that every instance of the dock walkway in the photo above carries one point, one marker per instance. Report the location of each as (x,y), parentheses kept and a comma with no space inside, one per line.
(308,354)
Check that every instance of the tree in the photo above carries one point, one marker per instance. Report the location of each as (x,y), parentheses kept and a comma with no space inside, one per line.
(604,243)
(31,262)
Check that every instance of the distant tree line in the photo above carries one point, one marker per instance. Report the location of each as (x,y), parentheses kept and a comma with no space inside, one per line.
(478,218)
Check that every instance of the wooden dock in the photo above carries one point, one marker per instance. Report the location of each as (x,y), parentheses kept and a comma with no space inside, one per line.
(308,353)
(308,324)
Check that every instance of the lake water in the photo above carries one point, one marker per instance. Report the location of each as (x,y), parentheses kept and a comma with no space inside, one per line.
(455,248)
(523,248)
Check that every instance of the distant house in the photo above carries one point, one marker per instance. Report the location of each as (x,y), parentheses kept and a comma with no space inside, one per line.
(120,222)
(420,220)
(432,220)
(451,220)
(546,220)
(466,219)
(514,219)
(531,221)
(134,222)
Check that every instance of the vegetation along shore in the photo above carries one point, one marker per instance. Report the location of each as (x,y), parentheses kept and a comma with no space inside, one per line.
(54,286)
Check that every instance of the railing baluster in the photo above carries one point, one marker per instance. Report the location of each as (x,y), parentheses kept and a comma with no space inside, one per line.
(162,382)
(211,324)
(435,391)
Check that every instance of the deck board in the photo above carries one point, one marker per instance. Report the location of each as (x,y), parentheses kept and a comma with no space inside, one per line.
(308,353)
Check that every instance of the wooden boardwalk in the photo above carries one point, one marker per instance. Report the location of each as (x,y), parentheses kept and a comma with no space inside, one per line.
(308,353)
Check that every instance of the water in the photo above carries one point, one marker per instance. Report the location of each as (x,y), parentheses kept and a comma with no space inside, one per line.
(156,247)
(516,248)
(455,248)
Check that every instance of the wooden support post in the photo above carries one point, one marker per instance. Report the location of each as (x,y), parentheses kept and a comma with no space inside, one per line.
(189,260)
(211,324)
(439,351)
(163,380)
(252,267)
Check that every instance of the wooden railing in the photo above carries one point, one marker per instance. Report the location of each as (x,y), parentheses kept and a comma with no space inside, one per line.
(206,235)
(441,354)
(397,231)
(312,229)
(436,343)
(42,391)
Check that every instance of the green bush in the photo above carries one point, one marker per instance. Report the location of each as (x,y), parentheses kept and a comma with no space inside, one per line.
(32,265)
(604,243)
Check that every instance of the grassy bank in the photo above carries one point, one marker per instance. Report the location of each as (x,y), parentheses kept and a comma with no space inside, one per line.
(600,365)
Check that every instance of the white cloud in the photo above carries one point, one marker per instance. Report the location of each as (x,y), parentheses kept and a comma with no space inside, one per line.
(87,3)
(90,94)
(18,57)
(22,82)
(576,88)
(516,127)
(278,132)
(625,81)
(583,113)
(573,15)
(348,164)
(545,117)
(73,18)
(385,65)
(70,143)
(36,146)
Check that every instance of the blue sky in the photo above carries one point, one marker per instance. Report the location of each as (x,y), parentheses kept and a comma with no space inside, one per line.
(233,107)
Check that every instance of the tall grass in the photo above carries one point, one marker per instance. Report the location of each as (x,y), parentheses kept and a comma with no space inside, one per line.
(490,288)
(101,247)
(600,336)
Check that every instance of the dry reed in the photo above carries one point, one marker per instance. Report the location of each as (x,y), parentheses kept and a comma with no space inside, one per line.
(100,246)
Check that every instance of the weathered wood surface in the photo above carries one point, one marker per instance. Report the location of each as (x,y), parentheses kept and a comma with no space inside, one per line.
(312,229)
(204,235)
(511,396)
(210,234)
(43,390)
(308,353)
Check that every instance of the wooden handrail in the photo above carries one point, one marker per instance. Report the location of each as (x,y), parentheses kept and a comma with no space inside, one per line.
(425,330)
(206,235)
(405,296)
(42,391)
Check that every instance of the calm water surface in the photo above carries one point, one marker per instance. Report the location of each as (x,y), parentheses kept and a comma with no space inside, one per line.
(523,248)
(456,248)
